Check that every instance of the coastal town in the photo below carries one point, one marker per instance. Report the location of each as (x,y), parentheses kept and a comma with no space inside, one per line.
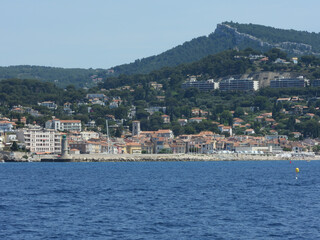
(35,142)
(259,114)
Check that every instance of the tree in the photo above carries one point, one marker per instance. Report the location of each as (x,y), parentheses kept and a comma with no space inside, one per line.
(238,112)
(14,147)
(226,118)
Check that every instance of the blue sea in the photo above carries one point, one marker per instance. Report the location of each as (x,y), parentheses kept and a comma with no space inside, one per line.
(160,200)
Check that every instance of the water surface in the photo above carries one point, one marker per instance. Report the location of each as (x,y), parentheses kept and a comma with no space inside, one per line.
(160,200)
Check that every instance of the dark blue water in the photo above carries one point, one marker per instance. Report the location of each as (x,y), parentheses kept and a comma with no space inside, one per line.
(163,200)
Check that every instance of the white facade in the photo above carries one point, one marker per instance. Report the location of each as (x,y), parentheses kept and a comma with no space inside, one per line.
(48,104)
(86,135)
(64,125)
(6,126)
(39,140)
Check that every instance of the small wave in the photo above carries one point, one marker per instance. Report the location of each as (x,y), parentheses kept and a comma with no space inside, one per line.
(278,224)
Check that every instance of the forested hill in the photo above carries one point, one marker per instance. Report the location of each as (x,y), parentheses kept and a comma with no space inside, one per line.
(229,35)
(60,76)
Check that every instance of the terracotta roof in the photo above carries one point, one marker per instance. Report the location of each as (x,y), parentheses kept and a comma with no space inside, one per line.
(70,121)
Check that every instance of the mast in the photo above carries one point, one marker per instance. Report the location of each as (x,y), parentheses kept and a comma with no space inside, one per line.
(108,140)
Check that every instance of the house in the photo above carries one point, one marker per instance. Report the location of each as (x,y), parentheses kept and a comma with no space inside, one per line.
(197,119)
(152,110)
(67,108)
(208,147)
(160,145)
(91,124)
(147,147)
(165,118)
(6,126)
(270,121)
(133,148)
(93,147)
(161,98)
(74,151)
(226,129)
(99,96)
(115,103)
(178,146)
(310,115)
(97,101)
(296,134)
(86,135)
(195,112)
(49,104)
(249,131)
(18,109)
(238,121)
(155,85)
(166,133)
(283,100)
(182,122)
(23,120)
(259,119)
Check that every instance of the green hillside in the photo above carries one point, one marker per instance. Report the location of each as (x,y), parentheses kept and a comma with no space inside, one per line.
(60,76)
(229,35)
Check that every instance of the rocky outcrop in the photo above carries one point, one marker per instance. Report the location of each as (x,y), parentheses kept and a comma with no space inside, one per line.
(243,38)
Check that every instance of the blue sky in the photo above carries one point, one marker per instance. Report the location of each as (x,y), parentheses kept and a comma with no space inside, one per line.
(106,33)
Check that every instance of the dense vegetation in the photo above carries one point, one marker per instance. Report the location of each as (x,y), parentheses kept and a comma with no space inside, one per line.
(60,76)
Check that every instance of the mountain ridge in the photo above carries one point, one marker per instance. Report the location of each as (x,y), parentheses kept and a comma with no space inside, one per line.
(227,35)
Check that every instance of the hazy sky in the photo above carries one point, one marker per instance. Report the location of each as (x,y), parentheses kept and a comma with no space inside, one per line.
(106,33)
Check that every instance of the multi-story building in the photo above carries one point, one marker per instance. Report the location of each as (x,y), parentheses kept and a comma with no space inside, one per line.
(48,104)
(316,83)
(6,126)
(299,82)
(64,125)
(96,95)
(39,140)
(201,85)
(245,84)
(152,110)
(86,135)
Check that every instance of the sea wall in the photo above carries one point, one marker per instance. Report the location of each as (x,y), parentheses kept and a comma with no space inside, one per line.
(184,157)
(155,157)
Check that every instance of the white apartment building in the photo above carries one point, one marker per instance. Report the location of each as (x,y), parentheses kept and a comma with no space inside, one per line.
(64,125)
(39,140)
(6,126)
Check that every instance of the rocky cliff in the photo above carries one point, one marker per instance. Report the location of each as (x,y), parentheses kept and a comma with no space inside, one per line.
(242,40)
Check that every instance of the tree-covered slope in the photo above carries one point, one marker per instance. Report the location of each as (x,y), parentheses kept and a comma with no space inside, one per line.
(60,76)
(229,35)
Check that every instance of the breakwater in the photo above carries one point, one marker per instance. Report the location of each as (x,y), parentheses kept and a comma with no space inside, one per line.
(177,157)
(7,157)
